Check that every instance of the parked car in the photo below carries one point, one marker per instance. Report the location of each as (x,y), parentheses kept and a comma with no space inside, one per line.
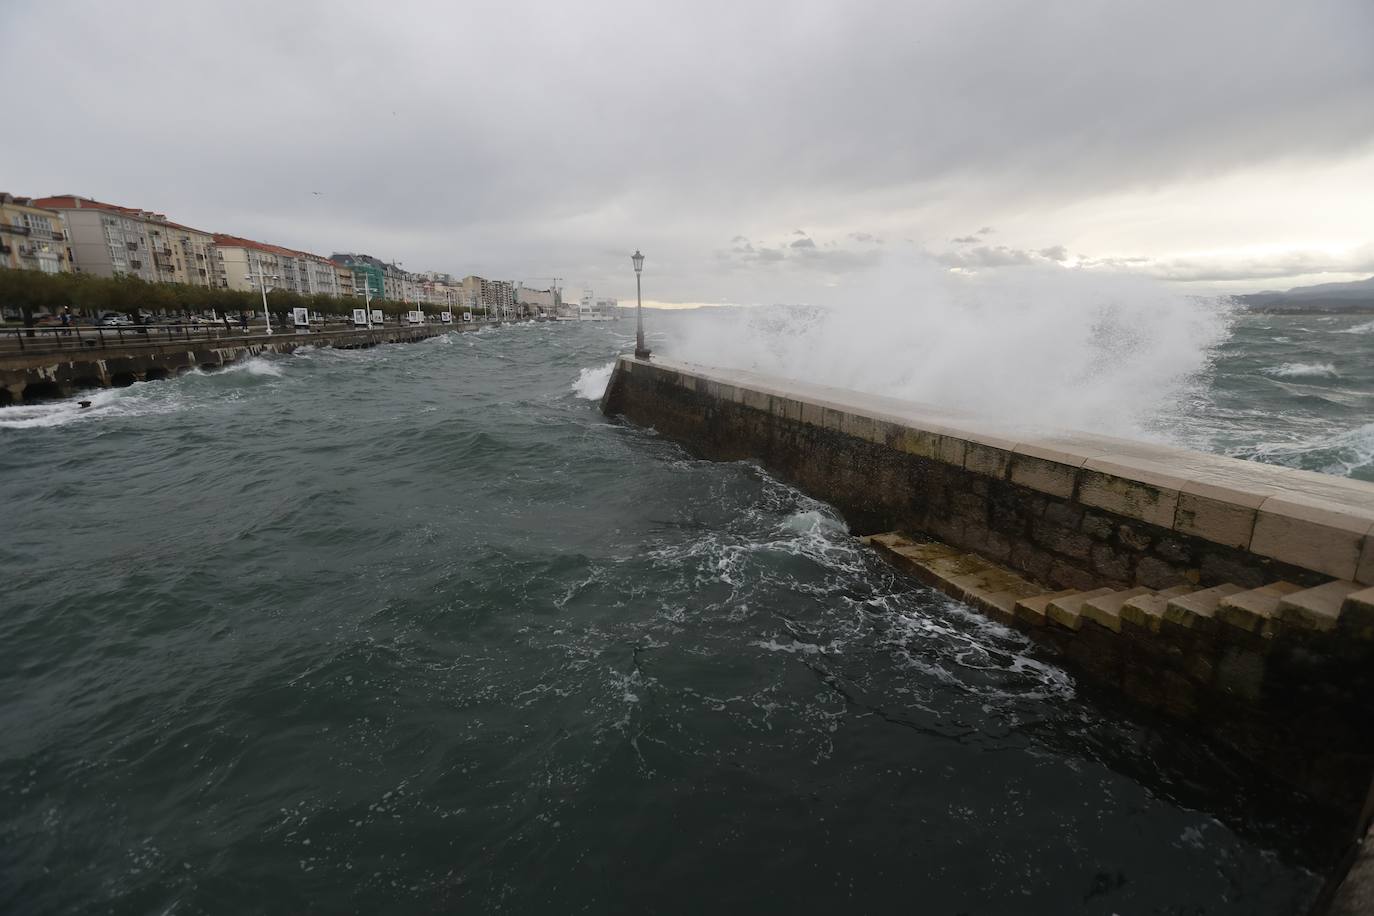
(115,320)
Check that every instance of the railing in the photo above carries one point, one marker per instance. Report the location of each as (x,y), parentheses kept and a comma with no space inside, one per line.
(37,341)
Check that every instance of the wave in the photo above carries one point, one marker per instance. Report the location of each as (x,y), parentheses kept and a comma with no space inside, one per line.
(1302,370)
(255,365)
(1059,349)
(134,401)
(591,383)
(1341,453)
(1366,328)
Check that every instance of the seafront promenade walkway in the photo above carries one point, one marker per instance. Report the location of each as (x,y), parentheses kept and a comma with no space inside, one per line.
(42,363)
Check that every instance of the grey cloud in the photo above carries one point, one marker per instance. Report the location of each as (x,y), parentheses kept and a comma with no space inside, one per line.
(509,176)
(798,232)
(803,243)
(986,256)
(966,240)
(1054,253)
(1289,264)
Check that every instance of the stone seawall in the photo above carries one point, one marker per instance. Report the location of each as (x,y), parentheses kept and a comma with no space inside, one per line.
(1228,594)
(27,377)
(1073,510)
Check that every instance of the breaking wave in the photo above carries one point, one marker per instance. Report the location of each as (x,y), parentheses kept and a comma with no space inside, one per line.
(1302,370)
(591,383)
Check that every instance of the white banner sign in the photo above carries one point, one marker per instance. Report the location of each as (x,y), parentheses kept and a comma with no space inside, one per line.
(447,317)
(300,318)
(415,317)
(376,316)
(360,318)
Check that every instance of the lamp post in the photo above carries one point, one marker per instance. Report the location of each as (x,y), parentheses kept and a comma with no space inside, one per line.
(641,351)
(262,279)
(367,298)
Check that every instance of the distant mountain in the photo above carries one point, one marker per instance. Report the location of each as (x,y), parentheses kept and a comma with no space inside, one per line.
(1357,295)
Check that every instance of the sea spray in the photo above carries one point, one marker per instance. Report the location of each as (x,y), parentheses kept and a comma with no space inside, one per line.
(1041,347)
(591,383)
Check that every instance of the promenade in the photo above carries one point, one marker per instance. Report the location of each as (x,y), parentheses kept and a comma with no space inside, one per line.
(53,363)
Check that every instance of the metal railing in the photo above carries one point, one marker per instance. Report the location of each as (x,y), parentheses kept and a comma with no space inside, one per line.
(16,340)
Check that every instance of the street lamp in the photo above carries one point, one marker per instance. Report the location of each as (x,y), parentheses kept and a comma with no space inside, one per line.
(367,298)
(262,279)
(641,351)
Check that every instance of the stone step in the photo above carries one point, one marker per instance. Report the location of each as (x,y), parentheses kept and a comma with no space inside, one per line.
(1255,610)
(1146,611)
(1357,614)
(1067,611)
(964,576)
(1316,609)
(1194,611)
(1105,610)
(1032,610)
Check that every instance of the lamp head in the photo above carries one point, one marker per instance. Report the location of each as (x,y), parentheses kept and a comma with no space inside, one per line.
(638,260)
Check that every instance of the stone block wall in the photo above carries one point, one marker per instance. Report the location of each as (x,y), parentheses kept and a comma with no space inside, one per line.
(1064,511)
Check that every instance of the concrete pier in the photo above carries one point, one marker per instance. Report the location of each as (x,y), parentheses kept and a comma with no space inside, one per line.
(35,376)
(1233,596)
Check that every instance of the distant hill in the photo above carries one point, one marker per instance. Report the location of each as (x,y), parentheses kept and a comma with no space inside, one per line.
(1356,296)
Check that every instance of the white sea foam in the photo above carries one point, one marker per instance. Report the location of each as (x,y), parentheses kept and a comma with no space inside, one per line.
(1041,347)
(1337,453)
(1302,370)
(1366,328)
(133,401)
(255,366)
(591,383)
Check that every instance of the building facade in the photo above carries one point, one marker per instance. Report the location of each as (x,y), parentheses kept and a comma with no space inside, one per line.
(109,240)
(495,297)
(32,237)
(239,262)
(368,273)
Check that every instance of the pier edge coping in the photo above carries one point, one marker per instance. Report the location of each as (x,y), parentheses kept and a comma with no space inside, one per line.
(1314,521)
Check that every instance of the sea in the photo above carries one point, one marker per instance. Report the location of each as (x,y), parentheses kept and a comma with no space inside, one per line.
(416,629)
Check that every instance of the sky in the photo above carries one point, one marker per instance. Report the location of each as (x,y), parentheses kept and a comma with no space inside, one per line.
(756,152)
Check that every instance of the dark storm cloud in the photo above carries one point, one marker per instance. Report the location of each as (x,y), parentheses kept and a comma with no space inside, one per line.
(528,139)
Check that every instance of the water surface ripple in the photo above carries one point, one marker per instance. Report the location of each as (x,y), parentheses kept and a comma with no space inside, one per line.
(414,629)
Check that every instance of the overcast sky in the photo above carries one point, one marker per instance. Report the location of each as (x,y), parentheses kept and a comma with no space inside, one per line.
(756,152)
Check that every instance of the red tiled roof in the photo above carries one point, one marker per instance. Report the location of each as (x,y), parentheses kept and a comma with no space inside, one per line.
(234,241)
(73,202)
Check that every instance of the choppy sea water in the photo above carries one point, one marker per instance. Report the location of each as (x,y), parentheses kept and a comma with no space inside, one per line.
(415,629)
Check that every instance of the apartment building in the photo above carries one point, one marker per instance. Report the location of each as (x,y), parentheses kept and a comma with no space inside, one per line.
(31,237)
(368,273)
(496,296)
(239,262)
(111,240)
(344,276)
(536,301)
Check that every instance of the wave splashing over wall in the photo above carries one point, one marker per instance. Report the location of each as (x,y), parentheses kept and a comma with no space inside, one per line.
(1041,347)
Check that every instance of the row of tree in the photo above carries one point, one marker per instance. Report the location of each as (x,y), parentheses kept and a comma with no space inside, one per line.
(33,292)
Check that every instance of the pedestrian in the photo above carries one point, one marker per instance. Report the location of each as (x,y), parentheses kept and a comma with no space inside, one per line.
(243,321)
(67,320)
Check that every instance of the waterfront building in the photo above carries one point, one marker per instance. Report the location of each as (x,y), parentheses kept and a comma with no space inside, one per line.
(110,240)
(239,262)
(368,273)
(536,301)
(344,277)
(296,271)
(496,297)
(32,237)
